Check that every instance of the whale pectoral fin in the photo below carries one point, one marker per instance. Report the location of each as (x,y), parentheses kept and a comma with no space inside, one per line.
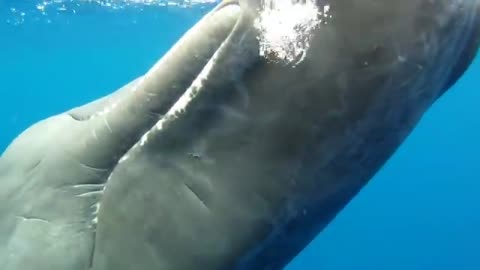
(468,53)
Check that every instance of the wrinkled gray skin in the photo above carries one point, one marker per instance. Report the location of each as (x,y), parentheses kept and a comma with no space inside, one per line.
(249,171)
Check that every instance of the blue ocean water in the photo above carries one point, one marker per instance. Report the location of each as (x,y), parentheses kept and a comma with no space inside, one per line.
(421,211)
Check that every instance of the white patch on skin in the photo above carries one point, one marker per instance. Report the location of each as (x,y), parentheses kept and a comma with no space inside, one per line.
(107,124)
(89,186)
(90,190)
(140,81)
(96,207)
(94,134)
(285,29)
(95,220)
(108,109)
(91,193)
(32,219)
(123,158)
(144,139)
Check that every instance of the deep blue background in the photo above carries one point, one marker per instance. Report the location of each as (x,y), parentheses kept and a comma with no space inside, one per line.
(422,210)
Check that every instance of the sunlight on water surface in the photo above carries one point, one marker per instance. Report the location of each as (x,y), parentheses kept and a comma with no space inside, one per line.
(284,26)
(20,12)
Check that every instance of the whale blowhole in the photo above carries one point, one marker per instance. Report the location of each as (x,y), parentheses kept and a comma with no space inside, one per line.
(285,28)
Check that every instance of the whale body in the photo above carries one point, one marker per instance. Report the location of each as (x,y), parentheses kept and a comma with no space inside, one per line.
(217,158)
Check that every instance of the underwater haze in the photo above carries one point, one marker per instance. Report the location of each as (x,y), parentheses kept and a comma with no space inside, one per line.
(421,211)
